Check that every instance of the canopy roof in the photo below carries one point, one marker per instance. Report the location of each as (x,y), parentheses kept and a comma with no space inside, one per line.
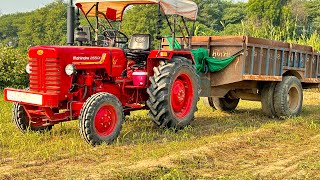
(114,9)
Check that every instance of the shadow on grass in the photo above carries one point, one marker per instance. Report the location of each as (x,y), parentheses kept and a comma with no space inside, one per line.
(207,123)
(140,129)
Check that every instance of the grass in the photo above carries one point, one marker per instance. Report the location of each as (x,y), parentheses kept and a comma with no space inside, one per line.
(218,145)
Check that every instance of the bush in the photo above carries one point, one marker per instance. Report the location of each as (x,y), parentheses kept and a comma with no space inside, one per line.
(12,68)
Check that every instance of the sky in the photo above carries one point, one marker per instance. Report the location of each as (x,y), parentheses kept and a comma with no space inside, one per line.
(13,6)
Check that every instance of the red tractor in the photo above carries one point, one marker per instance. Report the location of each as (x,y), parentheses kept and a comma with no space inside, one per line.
(99,82)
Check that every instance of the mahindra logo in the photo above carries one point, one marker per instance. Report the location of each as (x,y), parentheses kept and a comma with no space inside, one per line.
(86,58)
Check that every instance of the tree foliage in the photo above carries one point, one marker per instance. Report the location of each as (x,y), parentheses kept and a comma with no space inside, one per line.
(44,26)
(12,67)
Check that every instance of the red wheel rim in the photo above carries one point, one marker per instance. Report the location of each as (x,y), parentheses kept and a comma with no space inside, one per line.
(182,95)
(105,120)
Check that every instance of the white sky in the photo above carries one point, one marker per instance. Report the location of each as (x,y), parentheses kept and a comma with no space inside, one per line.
(13,6)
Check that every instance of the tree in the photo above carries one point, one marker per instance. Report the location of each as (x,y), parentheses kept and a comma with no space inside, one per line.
(313,15)
(44,26)
(211,13)
(233,13)
(266,11)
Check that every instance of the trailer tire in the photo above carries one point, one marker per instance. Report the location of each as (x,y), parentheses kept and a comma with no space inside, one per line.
(288,97)
(225,104)
(267,100)
(208,101)
(101,119)
(173,93)
(21,120)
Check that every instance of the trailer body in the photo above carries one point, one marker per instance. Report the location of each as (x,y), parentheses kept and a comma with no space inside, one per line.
(262,61)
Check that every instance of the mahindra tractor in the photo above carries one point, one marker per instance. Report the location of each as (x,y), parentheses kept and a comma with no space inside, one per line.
(102,75)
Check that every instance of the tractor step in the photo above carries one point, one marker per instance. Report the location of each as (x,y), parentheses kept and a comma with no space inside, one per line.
(37,112)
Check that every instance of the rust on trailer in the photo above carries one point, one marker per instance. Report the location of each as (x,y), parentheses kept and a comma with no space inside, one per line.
(312,80)
(262,78)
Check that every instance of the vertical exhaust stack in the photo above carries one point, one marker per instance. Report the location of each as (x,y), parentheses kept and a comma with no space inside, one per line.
(70,23)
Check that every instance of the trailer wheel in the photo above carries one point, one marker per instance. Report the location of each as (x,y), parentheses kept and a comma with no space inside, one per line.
(208,101)
(174,93)
(288,97)
(101,119)
(225,104)
(267,101)
(21,120)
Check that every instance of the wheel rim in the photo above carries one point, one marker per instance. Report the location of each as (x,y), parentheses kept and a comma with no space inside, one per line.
(293,98)
(182,95)
(105,120)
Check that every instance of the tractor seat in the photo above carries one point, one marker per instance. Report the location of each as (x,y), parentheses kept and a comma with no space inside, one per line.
(139,47)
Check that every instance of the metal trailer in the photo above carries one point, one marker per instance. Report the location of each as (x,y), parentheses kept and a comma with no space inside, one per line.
(269,71)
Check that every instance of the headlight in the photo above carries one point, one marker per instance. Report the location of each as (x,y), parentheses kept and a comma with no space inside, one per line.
(28,68)
(70,69)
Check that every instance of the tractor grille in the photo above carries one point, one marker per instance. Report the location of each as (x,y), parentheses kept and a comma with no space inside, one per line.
(45,75)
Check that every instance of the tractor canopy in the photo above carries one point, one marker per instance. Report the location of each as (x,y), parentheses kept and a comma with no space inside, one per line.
(114,9)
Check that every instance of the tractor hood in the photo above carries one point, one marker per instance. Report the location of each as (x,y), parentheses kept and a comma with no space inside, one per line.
(82,57)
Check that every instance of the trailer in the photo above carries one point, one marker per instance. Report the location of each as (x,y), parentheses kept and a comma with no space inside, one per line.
(272,72)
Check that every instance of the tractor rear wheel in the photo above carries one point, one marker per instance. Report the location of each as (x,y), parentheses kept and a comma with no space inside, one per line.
(288,97)
(22,121)
(225,104)
(101,119)
(173,93)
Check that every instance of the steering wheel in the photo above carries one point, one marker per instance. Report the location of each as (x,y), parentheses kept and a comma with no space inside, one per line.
(115,36)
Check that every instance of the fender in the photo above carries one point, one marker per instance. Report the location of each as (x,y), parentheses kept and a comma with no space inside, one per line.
(168,54)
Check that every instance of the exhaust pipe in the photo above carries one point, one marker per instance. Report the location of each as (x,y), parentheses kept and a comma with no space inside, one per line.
(70,23)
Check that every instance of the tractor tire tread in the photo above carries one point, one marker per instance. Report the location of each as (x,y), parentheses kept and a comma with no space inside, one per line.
(88,112)
(158,102)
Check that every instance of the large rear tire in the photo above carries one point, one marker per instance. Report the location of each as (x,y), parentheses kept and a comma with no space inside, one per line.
(225,104)
(22,121)
(288,97)
(174,93)
(267,100)
(101,119)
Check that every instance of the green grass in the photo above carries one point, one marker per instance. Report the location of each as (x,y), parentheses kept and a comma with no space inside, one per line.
(239,145)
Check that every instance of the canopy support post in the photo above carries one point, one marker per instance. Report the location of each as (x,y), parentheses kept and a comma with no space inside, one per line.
(188,32)
(159,26)
(97,24)
(174,31)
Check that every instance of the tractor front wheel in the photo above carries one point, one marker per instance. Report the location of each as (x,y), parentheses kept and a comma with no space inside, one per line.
(174,93)
(101,119)
(22,121)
